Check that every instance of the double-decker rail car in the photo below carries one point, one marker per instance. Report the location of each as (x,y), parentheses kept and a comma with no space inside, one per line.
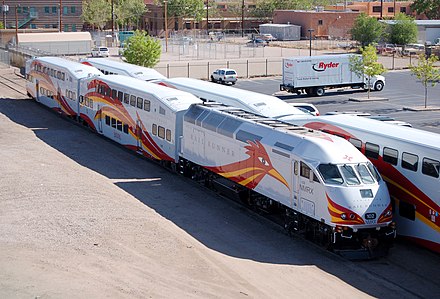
(141,116)
(409,161)
(324,186)
(321,185)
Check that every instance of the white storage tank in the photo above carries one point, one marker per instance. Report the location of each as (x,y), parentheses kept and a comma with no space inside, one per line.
(282,31)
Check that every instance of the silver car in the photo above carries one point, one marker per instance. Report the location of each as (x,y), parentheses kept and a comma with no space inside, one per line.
(224,76)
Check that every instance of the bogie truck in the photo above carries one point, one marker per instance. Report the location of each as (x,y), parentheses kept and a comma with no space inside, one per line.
(313,74)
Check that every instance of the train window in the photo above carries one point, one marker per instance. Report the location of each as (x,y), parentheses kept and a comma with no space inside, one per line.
(105,72)
(108,91)
(315,177)
(295,168)
(227,128)
(63,76)
(371,150)
(140,102)
(119,125)
(168,135)
(407,210)
(304,170)
(132,100)
(125,128)
(113,122)
(126,98)
(154,129)
(430,167)
(59,75)
(356,142)
(330,173)
(284,146)
(349,175)
(246,136)
(192,114)
(390,155)
(91,103)
(161,132)
(114,93)
(120,96)
(86,102)
(201,118)
(81,99)
(410,161)
(146,105)
(161,111)
(107,120)
(374,171)
(364,174)
(212,121)
(73,95)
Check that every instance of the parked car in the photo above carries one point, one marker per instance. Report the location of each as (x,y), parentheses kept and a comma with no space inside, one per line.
(224,76)
(100,52)
(306,107)
(387,49)
(258,42)
(267,37)
(413,49)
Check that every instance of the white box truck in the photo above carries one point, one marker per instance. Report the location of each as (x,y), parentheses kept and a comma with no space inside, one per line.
(313,74)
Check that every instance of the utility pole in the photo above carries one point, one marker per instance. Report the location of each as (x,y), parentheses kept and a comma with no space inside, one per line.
(61,13)
(310,40)
(16,25)
(166,25)
(4,14)
(207,17)
(242,18)
(113,19)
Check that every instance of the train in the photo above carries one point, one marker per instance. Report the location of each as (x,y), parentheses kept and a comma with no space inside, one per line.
(319,184)
(414,190)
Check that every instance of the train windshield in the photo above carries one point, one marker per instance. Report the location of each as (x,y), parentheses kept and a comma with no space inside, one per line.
(356,174)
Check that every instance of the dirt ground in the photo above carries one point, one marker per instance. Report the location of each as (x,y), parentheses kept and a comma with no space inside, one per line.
(80,217)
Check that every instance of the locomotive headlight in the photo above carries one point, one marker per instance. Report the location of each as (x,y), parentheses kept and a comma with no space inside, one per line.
(388,213)
(343,216)
(352,216)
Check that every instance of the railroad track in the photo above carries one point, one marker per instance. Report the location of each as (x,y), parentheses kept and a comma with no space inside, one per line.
(11,84)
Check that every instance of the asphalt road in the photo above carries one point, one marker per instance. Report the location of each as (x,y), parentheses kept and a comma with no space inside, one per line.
(401,90)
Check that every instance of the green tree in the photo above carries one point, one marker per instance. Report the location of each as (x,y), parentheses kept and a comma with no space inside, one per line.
(96,12)
(1,25)
(187,9)
(128,12)
(142,49)
(426,72)
(431,8)
(265,8)
(367,64)
(404,30)
(367,30)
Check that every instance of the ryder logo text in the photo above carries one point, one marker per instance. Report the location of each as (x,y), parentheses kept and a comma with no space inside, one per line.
(322,66)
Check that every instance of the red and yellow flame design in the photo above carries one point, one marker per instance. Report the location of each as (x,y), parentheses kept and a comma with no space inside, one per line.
(251,171)
(336,210)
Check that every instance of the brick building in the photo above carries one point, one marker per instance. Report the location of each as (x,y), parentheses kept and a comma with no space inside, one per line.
(32,14)
(325,24)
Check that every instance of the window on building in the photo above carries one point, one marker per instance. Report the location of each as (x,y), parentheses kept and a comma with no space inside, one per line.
(376,9)
(320,22)
(73,9)
(54,9)
(391,9)
(73,27)
(33,26)
(46,9)
(403,9)
(65,10)
(66,27)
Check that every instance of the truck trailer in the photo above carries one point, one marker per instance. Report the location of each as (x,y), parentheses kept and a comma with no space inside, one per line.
(313,74)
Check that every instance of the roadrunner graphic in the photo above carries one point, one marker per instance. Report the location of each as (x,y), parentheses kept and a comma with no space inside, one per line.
(251,171)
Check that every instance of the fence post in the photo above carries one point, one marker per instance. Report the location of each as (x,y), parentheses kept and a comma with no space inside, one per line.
(393,60)
(247,68)
(168,70)
(227,64)
(266,67)
(208,71)
(188,69)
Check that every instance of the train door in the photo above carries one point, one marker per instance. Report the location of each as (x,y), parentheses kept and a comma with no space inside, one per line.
(139,135)
(37,90)
(295,184)
(198,138)
(99,124)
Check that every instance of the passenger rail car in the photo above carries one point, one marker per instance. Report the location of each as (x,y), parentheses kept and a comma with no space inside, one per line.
(321,185)
(409,161)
